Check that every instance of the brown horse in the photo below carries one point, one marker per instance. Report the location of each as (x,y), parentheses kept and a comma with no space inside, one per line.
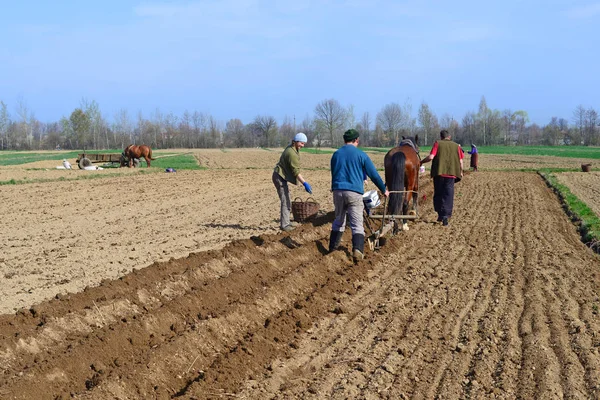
(133,151)
(402,174)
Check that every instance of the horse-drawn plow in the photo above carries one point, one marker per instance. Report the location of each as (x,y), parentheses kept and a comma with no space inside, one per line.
(379,223)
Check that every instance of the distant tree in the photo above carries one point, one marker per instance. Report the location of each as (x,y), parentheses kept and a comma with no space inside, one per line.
(23,135)
(507,122)
(286,131)
(215,132)
(308,127)
(265,128)
(171,132)
(123,129)
(408,124)
(482,120)
(92,110)
(535,134)
(235,131)
(332,116)
(590,127)
(80,128)
(390,120)
(54,137)
(350,118)
(426,120)
(198,125)
(468,128)
(552,133)
(4,124)
(380,138)
(578,119)
(365,128)
(521,118)
(185,130)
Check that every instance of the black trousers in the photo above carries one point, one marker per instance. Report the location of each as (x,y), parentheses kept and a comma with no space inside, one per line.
(443,196)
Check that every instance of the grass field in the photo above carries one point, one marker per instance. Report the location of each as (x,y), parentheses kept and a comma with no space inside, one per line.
(164,160)
(556,151)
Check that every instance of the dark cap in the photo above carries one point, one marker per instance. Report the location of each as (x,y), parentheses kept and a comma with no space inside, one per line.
(350,135)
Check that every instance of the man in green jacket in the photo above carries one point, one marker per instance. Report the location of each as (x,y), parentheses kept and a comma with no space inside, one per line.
(447,168)
(288,170)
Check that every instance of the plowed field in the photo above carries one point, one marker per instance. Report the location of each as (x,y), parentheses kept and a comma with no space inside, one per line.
(180,286)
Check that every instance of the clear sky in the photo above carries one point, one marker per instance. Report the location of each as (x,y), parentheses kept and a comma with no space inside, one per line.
(241,58)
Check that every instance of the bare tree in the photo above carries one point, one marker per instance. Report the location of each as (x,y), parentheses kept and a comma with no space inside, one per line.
(80,127)
(198,123)
(308,127)
(92,110)
(365,128)
(390,120)
(427,121)
(579,121)
(350,118)
(265,128)
(123,128)
(507,120)
(215,132)
(521,118)
(408,124)
(468,126)
(24,132)
(286,131)
(235,133)
(185,129)
(552,132)
(482,120)
(4,124)
(332,116)
(591,130)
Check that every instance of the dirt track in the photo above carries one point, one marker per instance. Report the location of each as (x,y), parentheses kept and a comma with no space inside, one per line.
(502,303)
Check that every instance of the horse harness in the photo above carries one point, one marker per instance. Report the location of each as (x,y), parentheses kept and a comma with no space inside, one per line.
(408,142)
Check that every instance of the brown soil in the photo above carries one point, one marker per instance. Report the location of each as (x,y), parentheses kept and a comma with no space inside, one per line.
(502,303)
(584,185)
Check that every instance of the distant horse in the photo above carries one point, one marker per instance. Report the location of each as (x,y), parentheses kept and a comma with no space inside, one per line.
(402,173)
(133,152)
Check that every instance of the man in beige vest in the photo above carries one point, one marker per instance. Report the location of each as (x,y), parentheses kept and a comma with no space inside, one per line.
(447,168)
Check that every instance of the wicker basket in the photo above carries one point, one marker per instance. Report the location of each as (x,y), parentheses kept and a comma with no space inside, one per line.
(303,210)
(586,167)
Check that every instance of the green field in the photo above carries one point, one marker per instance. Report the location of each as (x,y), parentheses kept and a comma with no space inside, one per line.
(555,151)
(179,162)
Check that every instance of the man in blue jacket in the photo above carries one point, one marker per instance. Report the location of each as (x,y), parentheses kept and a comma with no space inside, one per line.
(348,168)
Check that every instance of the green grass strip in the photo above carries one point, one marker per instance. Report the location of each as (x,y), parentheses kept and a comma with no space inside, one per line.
(577,210)
(589,152)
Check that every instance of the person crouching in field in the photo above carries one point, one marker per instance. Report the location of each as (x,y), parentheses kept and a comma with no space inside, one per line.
(288,170)
(474,157)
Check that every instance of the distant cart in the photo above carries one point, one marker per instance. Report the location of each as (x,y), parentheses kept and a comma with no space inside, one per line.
(87,159)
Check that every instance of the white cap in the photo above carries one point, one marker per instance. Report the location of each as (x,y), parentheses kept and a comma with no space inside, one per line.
(300,137)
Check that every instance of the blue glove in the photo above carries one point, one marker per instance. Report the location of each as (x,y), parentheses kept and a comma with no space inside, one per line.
(307,187)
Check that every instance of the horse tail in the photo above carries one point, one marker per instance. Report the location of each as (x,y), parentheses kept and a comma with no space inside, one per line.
(396,183)
(150,154)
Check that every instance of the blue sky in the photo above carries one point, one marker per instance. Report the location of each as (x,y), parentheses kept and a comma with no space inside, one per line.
(241,58)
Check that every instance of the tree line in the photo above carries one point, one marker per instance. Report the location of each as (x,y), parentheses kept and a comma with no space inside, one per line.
(87,128)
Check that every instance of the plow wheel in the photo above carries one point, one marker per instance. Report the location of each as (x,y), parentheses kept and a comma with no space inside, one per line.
(84,162)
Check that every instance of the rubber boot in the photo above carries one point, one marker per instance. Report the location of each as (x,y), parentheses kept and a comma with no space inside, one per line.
(358,247)
(334,240)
